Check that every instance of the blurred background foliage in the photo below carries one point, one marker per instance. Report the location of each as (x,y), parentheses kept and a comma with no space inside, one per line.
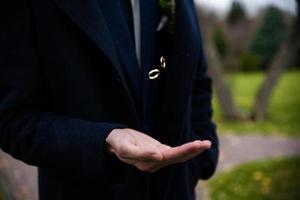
(267,180)
(283,114)
(254,62)
(271,33)
(253,59)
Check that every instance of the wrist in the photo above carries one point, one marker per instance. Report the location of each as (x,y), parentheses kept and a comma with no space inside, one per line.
(109,149)
(109,139)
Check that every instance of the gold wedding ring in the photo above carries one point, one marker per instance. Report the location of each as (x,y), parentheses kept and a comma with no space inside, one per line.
(153,74)
(163,63)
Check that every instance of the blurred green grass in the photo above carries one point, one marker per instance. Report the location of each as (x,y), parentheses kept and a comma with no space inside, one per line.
(284,112)
(265,180)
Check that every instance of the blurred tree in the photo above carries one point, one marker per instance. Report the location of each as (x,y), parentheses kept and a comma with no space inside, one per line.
(262,44)
(223,91)
(220,41)
(237,13)
(285,55)
(215,70)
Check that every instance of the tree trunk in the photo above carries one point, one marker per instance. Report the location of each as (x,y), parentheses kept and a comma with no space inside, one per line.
(283,58)
(223,90)
(285,55)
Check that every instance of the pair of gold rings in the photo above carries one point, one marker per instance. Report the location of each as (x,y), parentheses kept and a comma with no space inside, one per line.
(154,74)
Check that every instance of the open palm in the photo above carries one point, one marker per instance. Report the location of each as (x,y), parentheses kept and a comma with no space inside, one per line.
(146,153)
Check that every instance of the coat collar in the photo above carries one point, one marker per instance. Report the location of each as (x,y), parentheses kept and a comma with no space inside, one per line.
(91,20)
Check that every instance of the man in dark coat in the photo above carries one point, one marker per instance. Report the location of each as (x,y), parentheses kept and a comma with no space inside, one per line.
(110,101)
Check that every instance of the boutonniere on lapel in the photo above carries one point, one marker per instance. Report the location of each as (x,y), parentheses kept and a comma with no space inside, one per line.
(168,8)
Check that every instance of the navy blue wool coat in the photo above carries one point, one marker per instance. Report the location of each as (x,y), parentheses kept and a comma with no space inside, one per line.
(69,75)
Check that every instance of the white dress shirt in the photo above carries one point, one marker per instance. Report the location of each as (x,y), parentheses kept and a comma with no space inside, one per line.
(137,27)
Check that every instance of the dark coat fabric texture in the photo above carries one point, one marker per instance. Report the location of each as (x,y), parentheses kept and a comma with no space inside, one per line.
(69,75)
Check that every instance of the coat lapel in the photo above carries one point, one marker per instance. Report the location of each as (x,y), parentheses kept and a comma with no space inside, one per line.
(124,42)
(149,18)
(90,19)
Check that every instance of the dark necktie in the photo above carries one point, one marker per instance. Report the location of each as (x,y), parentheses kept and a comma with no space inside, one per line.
(127,8)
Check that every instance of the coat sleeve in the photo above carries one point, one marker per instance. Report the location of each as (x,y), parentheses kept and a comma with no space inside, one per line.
(202,125)
(68,146)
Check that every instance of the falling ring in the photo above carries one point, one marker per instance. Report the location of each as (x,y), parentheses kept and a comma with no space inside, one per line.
(163,62)
(153,74)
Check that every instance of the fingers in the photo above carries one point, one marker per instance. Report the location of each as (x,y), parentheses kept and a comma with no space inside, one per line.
(186,151)
(150,162)
(174,155)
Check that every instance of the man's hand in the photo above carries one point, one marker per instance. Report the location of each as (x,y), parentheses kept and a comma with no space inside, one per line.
(147,154)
